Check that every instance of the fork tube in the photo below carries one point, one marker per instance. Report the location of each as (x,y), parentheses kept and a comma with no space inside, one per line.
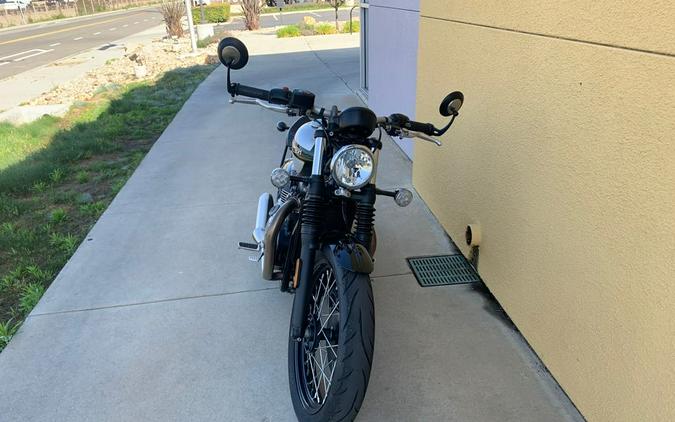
(309,234)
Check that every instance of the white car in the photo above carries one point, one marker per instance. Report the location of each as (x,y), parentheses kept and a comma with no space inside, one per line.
(14,4)
(198,3)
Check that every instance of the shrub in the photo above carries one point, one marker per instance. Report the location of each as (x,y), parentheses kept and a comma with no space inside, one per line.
(172,12)
(213,13)
(324,29)
(251,10)
(288,31)
(356,27)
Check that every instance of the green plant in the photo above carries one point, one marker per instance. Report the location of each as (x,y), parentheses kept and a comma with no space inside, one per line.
(37,274)
(9,207)
(94,209)
(82,176)
(39,187)
(65,243)
(205,42)
(117,186)
(325,29)
(7,331)
(58,215)
(12,278)
(30,296)
(288,31)
(356,27)
(56,175)
(213,13)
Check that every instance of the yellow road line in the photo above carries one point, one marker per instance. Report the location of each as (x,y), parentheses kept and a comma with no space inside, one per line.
(30,37)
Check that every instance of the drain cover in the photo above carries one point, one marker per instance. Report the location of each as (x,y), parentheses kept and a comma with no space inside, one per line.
(442,270)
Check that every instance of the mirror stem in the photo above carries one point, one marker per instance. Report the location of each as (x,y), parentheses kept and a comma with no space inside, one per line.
(229,84)
(440,132)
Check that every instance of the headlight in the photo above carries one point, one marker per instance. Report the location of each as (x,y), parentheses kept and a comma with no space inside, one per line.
(352,166)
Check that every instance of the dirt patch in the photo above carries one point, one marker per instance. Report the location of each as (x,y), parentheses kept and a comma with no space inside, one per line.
(140,62)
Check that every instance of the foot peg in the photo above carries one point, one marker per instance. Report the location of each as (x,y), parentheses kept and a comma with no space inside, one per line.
(252,247)
(249,246)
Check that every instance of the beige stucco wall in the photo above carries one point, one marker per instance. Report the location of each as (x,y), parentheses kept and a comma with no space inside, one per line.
(564,153)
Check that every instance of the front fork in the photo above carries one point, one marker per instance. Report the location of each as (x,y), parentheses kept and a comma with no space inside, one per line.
(310,229)
(312,213)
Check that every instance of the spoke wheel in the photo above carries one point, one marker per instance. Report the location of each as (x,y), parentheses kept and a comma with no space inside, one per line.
(330,367)
(319,351)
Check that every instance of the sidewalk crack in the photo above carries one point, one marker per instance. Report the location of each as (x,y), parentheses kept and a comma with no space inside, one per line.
(150,302)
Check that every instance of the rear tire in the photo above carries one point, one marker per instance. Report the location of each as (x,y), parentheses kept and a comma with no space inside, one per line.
(329,370)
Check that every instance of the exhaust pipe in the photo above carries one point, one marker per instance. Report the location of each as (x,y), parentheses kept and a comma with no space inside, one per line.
(271,232)
(264,207)
(266,230)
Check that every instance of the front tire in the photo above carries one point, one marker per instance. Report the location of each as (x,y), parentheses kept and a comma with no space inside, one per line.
(330,368)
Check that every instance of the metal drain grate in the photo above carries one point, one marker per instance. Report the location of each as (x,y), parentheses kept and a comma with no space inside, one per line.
(442,270)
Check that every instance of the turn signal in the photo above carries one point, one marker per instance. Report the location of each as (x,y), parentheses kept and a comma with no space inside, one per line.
(280,177)
(403,197)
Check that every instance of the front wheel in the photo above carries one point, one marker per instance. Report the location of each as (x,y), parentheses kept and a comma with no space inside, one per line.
(330,368)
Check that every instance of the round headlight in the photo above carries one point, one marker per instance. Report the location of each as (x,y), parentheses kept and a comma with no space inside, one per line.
(352,166)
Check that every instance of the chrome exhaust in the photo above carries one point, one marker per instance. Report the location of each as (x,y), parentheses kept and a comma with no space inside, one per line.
(271,232)
(264,207)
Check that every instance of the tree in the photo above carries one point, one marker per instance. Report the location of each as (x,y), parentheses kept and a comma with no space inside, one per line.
(173,11)
(336,5)
(251,9)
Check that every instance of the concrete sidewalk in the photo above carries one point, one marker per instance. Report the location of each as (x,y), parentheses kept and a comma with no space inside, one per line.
(158,317)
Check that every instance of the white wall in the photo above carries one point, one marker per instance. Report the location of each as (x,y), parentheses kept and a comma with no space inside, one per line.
(392,59)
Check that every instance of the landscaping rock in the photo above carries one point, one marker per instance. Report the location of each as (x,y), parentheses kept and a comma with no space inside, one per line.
(85,198)
(28,113)
(147,61)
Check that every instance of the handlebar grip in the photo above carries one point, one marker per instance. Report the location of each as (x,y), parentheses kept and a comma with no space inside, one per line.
(249,91)
(426,128)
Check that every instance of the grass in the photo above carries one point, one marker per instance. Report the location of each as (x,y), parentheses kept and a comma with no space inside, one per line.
(206,42)
(325,29)
(58,175)
(310,27)
(356,27)
(7,330)
(288,31)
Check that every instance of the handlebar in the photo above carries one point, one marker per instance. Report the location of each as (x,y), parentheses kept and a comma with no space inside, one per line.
(278,100)
(250,91)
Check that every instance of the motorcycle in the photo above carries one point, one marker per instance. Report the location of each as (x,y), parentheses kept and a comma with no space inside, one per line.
(317,236)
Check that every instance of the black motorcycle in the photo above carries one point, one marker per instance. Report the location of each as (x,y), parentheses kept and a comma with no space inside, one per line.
(317,237)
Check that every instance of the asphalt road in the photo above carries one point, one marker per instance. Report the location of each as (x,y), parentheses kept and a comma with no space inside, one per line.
(25,48)
(277,19)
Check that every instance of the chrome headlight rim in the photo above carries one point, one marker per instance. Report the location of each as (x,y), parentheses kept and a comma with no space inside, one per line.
(343,150)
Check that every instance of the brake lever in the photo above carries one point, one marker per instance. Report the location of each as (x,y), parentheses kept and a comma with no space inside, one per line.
(263,104)
(405,133)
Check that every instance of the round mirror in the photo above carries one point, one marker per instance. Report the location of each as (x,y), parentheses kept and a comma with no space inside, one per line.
(232,53)
(451,103)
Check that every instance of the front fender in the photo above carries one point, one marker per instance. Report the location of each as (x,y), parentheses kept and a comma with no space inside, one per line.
(351,256)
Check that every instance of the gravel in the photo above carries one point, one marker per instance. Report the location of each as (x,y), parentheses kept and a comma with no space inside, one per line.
(157,56)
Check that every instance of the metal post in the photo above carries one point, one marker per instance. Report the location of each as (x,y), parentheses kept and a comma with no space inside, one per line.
(191,26)
(202,19)
(350,18)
